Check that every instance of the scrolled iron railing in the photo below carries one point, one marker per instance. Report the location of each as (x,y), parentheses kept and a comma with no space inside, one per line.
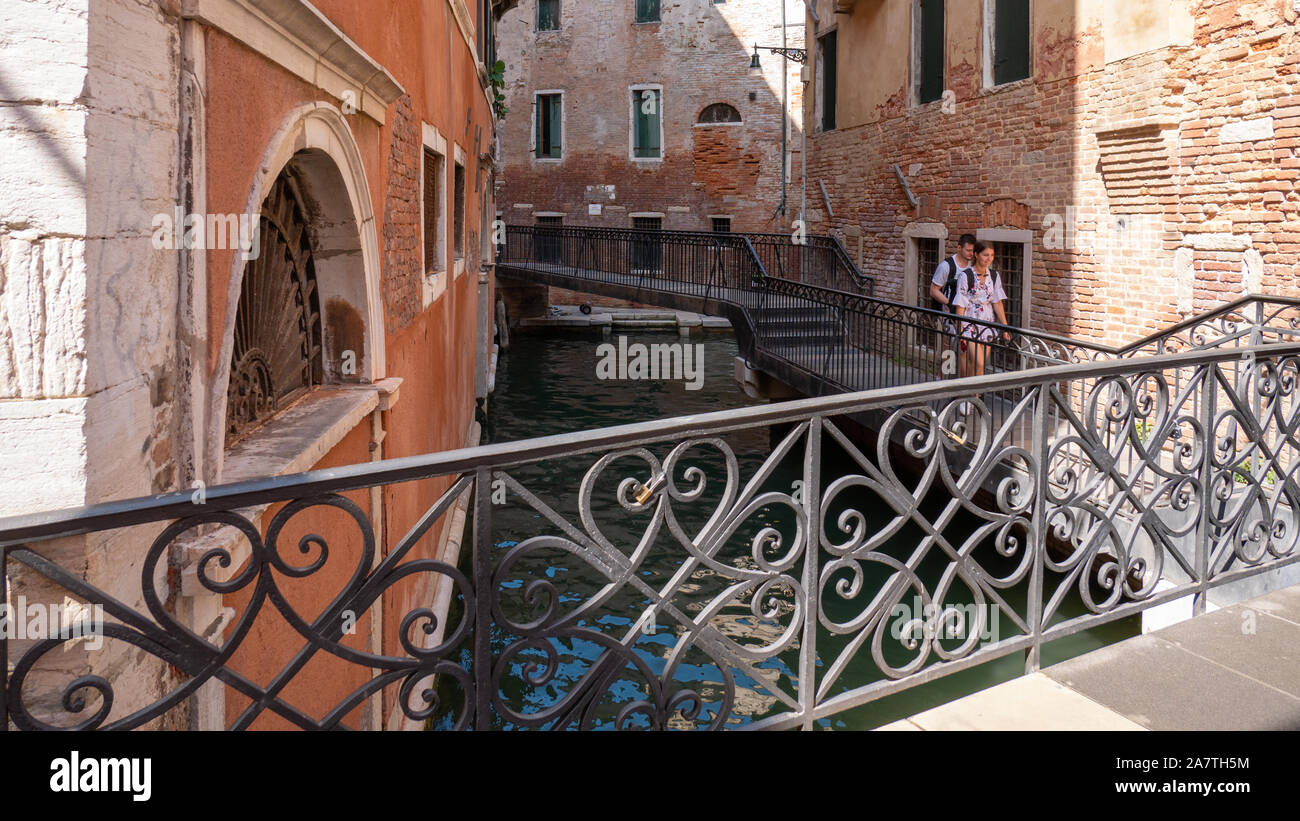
(816,260)
(693,263)
(810,313)
(770,590)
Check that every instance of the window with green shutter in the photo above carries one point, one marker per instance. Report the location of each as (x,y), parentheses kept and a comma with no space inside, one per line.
(647,11)
(1010,41)
(548,15)
(931,50)
(549,122)
(646,114)
(827,61)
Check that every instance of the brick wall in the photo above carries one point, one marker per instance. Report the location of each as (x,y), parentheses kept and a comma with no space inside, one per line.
(402,279)
(564,296)
(700,55)
(1154,186)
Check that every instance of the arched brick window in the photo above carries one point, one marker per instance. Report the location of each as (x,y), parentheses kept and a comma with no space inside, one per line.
(719,113)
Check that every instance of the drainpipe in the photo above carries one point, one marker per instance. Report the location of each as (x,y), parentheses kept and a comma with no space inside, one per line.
(785,110)
(374,713)
(373,717)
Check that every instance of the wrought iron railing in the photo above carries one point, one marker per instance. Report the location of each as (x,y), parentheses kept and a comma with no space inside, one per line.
(837,340)
(1250,320)
(694,263)
(815,260)
(688,578)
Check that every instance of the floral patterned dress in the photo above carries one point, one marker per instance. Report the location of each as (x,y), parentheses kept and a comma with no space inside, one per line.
(978,303)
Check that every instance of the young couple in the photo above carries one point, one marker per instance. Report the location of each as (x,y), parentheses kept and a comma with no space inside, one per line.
(966,284)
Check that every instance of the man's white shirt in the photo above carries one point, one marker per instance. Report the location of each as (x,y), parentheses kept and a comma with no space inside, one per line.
(940,277)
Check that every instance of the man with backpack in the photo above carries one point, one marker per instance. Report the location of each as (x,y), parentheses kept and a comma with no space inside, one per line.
(943,287)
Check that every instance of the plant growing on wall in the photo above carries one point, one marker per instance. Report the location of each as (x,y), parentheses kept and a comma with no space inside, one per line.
(497,77)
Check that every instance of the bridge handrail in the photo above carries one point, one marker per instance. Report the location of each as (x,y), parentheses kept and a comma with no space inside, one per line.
(843,264)
(1190,332)
(1210,328)
(936,318)
(1110,451)
(71,521)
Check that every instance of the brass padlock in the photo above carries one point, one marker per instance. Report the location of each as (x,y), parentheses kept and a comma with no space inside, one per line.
(645,491)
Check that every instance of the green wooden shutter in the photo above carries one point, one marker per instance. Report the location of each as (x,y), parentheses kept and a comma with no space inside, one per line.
(646,133)
(652,125)
(539,105)
(1010,41)
(647,11)
(548,15)
(932,50)
(556,129)
(537,126)
(829,80)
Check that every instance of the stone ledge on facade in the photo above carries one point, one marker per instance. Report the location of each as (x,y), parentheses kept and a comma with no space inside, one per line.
(292,442)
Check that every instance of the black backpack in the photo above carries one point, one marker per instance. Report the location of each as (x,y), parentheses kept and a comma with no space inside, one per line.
(950,287)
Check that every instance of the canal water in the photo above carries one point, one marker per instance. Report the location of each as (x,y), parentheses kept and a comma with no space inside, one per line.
(549,384)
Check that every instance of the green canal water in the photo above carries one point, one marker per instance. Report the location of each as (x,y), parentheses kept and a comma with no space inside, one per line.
(547,385)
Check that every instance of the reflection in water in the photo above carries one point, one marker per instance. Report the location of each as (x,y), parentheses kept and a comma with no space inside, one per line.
(548,385)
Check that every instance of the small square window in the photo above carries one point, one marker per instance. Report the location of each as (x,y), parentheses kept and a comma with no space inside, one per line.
(435,213)
(927,262)
(647,11)
(721,225)
(647,249)
(548,243)
(1009,260)
(435,259)
(548,15)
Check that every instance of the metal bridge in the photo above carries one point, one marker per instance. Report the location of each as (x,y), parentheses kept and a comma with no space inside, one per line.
(744,599)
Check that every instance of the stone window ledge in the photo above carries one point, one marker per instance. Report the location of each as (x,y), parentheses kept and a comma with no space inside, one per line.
(1008,86)
(435,283)
(292,442)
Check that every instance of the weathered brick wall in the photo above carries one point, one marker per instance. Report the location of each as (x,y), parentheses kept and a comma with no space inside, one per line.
(564,296)
(1169,174)
(700,54)
(402,280)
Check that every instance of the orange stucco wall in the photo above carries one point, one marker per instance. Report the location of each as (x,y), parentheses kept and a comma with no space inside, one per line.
(271,644)
(248,98)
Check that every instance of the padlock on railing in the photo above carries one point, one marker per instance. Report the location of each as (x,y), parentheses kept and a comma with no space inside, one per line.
(646,491)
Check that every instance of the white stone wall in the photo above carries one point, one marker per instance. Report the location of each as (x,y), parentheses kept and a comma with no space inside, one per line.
(89,153)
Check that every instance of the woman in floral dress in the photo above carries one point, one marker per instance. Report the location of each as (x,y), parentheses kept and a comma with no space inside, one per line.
(983,301)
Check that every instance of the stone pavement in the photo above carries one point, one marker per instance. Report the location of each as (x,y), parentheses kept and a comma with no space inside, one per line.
(1237,668)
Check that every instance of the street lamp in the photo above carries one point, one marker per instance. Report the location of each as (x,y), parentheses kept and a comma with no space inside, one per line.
(799,55)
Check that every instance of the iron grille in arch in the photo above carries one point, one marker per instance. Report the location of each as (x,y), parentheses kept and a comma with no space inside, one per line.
(277,345)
